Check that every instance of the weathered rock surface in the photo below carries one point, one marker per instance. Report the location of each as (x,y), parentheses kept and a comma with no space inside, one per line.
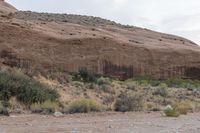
(6,8)
(56,42)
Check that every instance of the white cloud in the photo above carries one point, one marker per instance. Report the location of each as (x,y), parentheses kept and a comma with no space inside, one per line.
(179,17)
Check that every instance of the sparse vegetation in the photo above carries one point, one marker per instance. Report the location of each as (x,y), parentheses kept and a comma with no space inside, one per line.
(130,99)
(76,19)
(171,82)
(182,83)
(117,95)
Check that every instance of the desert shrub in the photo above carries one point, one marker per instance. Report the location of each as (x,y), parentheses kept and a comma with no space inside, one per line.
(163,86)
(36,92)
(92,86)
(183,107)
(3,110)
(104,84)
(84,75)
(1,107)
(196,106)
(170,111)
(149,106)
(84,106)
(131,86)
(152,107)
(109,99)
(143,83)
(15,106)
(161,90)
(155,83)
(103,81)
(129,101)
(24,88)
(47,106)
(105,88)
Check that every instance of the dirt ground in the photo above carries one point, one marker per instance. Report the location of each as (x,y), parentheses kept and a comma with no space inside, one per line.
(101,123)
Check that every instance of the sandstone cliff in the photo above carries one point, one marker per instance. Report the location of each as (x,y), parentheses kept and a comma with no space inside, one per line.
(42,42)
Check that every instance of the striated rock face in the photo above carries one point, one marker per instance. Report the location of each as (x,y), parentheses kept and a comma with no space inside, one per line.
(55,42)
(5,7)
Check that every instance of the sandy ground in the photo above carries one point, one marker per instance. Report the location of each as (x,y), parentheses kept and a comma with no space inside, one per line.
(101,123)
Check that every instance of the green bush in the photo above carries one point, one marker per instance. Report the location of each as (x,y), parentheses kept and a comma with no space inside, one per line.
(84,75)
(155,83)
(170,111)
(84,106)
(129,101)
(24,88)
(144,83)
(163,86)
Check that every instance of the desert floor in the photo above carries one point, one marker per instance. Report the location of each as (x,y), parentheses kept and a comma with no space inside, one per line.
(101,123)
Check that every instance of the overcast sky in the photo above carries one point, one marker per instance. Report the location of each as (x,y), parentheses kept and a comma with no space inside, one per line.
(180,17)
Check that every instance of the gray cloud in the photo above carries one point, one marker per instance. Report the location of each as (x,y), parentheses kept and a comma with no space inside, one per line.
(172,16)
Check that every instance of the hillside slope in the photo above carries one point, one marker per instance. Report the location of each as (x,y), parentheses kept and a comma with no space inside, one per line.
(6,8)
(43,43)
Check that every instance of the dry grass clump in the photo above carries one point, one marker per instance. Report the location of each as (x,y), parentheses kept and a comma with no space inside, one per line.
(46,107)
(84,106)
(183,107)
